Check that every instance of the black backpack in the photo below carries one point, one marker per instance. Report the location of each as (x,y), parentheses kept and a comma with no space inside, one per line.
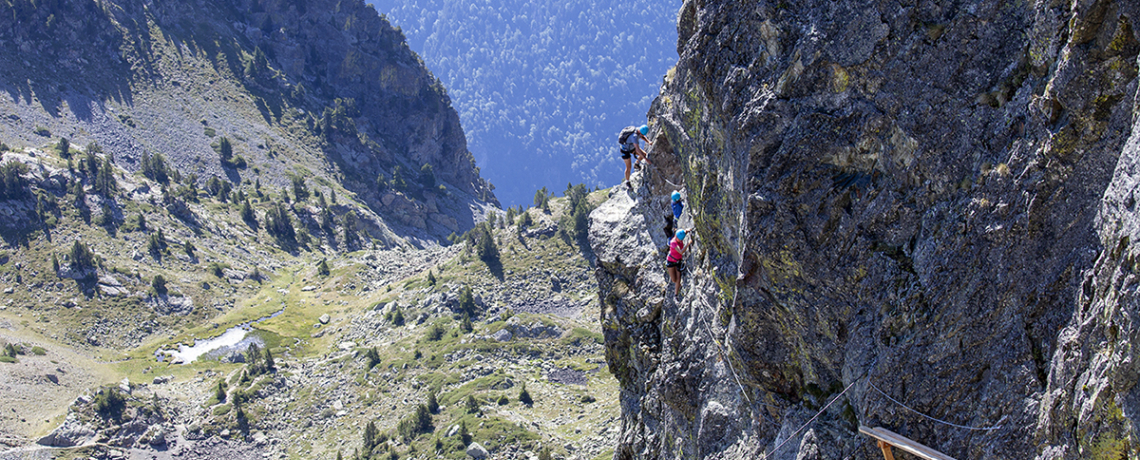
(625,133)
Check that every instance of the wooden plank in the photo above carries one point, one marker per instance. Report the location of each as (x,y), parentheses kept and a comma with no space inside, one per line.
(903,443)
(886,448)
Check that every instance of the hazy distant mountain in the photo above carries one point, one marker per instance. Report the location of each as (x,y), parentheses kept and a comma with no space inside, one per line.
(542,89)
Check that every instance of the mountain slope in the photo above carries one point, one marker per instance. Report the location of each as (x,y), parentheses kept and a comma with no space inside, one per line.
(543,88)
(323,90)
(889,201)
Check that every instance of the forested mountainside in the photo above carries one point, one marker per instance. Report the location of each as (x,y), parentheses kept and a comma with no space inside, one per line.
(325,91)
(917,216)
(543,88)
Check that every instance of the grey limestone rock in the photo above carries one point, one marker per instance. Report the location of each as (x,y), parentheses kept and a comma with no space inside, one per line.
(476,451)
(930,201)
(71,433)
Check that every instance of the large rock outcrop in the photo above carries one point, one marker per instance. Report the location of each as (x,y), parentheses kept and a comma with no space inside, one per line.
(928,202)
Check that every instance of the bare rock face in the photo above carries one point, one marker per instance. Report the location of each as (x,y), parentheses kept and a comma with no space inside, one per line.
(932,203)
(71,433)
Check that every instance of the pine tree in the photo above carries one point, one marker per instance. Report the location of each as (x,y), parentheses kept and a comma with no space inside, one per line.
(524,396)
(464,435)
(270,364)
(485,243)
(225,149)
(540,197)
(427,176)
(472,405)
(158,283)
(81,257)
(466,300)
(247,214)
(431,278)
(525,221)
(323,268)
(432,402)
(63,147)
(105,179)
(398,181)
(350,224)
(373,357)
(80,194)
(220,392)
(369,438)
(90,166)
(240,417)
(300,191)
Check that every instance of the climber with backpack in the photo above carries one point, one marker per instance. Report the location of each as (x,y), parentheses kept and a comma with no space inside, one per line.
(629,139)
(671,219)
(674,261)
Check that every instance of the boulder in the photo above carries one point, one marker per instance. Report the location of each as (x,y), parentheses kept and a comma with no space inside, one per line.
(476,451)
(502,335)
(71,433)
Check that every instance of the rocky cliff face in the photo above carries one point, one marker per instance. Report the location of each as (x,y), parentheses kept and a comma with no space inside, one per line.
(928,202)
(322,89)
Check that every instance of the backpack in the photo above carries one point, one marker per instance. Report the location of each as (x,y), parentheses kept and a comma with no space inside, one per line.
(625,133)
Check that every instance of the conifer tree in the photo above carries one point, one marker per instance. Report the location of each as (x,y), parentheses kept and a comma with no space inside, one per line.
(225,149)
(369,438)
(63,147)
(432,402)
(270,364)
(247,214)
(105,179)
(524,396)
(350,224)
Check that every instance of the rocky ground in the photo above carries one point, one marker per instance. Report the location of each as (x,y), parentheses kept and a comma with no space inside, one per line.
(536,326)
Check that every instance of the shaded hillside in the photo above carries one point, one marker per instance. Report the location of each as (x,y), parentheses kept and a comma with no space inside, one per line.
(889,201)
(324,90)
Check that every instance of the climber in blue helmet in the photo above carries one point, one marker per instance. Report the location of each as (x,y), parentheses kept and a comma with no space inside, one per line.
(678,206)
(674,260)
(675,216)
(630,140)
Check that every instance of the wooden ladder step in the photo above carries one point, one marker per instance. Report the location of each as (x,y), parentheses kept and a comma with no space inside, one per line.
(896,440)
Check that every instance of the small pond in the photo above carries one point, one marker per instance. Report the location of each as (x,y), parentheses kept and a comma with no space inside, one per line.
(235,339)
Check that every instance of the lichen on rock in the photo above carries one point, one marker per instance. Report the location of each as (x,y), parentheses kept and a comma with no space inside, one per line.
(933,200)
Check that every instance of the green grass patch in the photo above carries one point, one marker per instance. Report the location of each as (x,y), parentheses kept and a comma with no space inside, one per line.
(481,384)
(607,454)
(438,379)
(222,410)
(579,336)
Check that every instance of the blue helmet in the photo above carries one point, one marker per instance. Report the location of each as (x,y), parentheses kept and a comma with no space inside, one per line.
(643,130)
(681,235)
(676,196)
